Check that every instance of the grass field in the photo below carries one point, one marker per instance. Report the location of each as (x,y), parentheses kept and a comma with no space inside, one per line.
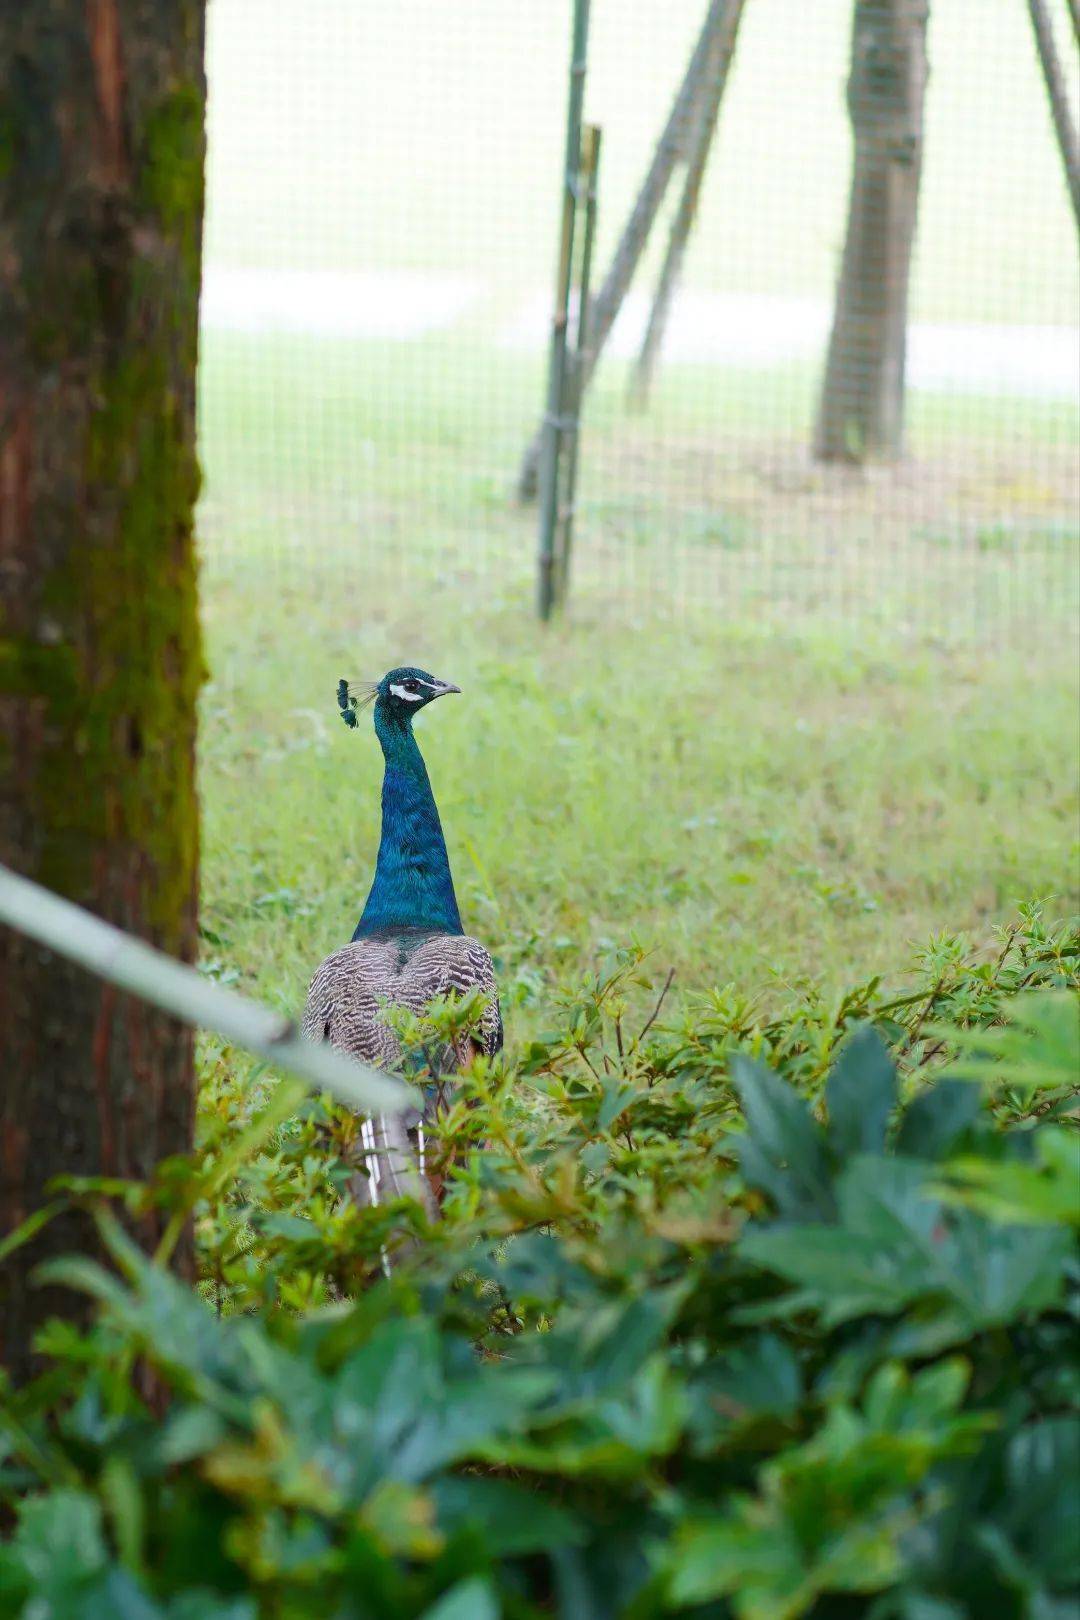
(398,459)
(799,717)
(751,805)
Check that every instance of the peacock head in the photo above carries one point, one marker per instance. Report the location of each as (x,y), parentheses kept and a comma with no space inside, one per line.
(401,693)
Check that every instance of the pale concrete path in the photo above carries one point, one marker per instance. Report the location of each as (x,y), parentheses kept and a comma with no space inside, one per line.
(751,331)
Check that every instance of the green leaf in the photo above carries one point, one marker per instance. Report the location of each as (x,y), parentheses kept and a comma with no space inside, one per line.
(472,1599)
(198,1604)
(938,1118)
(860,1094)
(123,1500)
(897,1244)
(758,1380)
(59,1538)
(188,1432)
(29,1228)
(1045,1193)
(1037,1050)
(783,1152)
(510,1519)
(1040,1509)
(116,1596)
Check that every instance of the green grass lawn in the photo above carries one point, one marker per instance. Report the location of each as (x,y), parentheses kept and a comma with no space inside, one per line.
(397,460)
(799,717)
(753,805)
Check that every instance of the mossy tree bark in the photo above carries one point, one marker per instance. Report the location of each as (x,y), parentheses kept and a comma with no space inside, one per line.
(101,199)
(862,403)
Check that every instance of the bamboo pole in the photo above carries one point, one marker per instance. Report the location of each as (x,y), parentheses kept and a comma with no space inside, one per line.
(553,425)
(720,60)
(1059,100)
(590,163)
(178,989)
(669,148)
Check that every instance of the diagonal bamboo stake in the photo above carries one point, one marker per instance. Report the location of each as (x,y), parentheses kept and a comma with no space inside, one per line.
(669,148)
(719,67)
(142,971)
(1059,100)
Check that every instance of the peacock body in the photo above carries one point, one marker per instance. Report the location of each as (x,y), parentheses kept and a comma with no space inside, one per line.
(409,947)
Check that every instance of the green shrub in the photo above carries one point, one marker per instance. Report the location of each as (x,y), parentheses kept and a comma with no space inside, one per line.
(759,1315)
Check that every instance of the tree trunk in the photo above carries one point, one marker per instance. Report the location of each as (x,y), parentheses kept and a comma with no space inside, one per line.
(101,199)
(862,405)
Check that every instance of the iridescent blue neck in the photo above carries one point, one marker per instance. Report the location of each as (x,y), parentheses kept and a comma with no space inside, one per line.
(413,887)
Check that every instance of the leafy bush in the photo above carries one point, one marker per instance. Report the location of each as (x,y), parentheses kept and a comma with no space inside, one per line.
(756,1314)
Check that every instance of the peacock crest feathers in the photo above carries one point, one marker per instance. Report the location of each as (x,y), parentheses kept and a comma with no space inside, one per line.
(350,704)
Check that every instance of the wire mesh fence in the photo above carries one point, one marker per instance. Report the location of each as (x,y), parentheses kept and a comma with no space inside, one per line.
(381,244)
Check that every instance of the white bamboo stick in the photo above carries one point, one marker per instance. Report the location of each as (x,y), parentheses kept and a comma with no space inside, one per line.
(142,971)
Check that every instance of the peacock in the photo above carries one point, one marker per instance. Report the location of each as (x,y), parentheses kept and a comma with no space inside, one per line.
(409,946)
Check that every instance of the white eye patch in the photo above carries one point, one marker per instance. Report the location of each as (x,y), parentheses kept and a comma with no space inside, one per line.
(410,697)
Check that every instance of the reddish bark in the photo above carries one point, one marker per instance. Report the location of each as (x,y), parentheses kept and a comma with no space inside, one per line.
(101,186)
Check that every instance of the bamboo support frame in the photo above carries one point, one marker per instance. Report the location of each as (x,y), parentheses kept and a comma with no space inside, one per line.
(716,77)
(142,971)
(669,149)
(1074,13)
(553,427)
(1068,144)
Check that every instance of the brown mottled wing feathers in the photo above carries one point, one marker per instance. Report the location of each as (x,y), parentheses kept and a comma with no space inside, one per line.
(345,996)
(345,1006)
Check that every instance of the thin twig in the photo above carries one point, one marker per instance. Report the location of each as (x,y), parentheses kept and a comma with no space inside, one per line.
(913,1033)
(900,1001)
(656,1010)
(584,1058)
(1010,936)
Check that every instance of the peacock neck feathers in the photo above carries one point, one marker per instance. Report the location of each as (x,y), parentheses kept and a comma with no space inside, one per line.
(412,887)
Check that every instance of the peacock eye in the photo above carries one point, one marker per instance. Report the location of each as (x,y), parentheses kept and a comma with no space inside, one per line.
(412,686)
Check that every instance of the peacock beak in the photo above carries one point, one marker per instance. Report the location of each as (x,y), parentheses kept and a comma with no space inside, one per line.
(445,687)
